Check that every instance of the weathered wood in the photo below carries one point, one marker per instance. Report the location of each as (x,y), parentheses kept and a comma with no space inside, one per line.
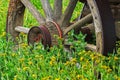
(118,29)
(65,20)
(22,29)
(34,11)
(14,18)
(90,47)
(47,10)
(79,23)
(90,27)
(57,9)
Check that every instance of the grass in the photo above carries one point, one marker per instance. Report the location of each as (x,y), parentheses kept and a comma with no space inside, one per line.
(36,63)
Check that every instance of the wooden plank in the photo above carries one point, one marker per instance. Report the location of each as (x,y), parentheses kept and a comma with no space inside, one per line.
(22,29)
(33,11)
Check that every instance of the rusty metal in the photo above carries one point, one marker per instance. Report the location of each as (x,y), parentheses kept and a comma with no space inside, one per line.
(58,29)
(39,34)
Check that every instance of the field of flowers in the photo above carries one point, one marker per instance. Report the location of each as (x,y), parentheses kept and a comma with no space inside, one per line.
(55,63)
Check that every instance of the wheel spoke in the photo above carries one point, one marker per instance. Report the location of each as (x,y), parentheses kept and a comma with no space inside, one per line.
(34,11)
(68,13)
(79,23)
(47,9)
(57,9)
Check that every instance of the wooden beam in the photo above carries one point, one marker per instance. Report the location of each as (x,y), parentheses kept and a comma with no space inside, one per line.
(33,11)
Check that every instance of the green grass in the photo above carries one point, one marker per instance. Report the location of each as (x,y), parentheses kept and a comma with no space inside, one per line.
(36,63)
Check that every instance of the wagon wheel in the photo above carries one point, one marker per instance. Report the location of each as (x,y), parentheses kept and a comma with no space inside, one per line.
(104,25)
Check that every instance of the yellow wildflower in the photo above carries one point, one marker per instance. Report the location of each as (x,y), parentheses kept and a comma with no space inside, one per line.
(73,60)
(104,67)
(78,76)
(51,63)
(81,59)
(21,60)
(25,68)
(117,77)
(3,34)
(116,58)
(97,61)
(67,63)
(24,45)
(30,62)
(15,77)
(109,70)
(53,58)
(57,78)
(34,75)
(13,54)
(41,57)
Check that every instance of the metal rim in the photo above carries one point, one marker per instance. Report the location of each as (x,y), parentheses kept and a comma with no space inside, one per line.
(34,34)
(58,29)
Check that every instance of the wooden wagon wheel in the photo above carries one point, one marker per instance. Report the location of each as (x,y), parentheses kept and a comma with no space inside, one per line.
(103,24)
(100,14)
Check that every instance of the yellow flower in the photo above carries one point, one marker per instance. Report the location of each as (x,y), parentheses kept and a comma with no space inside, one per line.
(117,77)
(67,63)
(84,67)
(30,62)
(51,63)
(53,58)
(3,34)
(73,61)
(57,78)
(97,61)
(116,58)
(21,60)
(79,76)
(24,45)
(81,59)
(25,68)
(34,75)
(15,77)
(109,70)
(104,67)
(13,54)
